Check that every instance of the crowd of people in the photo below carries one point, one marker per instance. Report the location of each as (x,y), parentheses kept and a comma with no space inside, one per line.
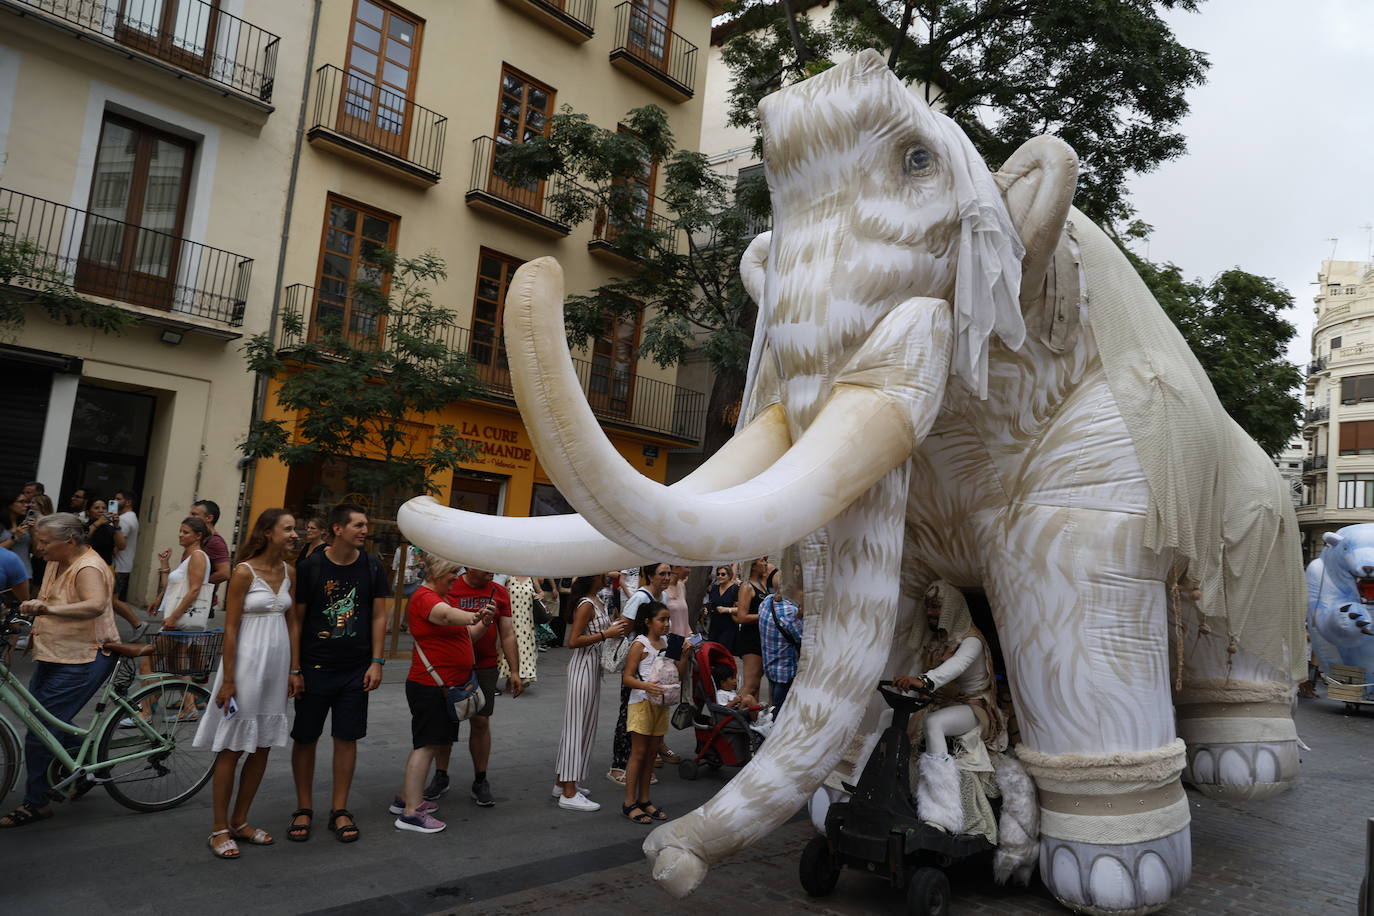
(304,620)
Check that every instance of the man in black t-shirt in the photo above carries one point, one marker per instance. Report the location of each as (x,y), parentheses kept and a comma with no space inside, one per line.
(338,623)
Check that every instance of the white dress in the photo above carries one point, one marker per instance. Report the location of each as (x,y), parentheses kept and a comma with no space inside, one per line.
(260,675)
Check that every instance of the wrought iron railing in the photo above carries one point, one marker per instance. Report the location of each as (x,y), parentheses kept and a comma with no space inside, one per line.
(108,258)
(644,403)
(380,118)
(648,40)
(189,34)
(1314,464)
(613,233)
(488,177)
(581,12)
(1318,414)
(1317,365)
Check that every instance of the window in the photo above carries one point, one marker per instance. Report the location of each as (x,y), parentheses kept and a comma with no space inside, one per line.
(523,108)
(488,347)
(1335,343)
(352,236)
(1356,491)
(1357,438)
(649,32)
(179,31)
(131,243)
(641,187)
(611,386)
(1356,388)
(383,54)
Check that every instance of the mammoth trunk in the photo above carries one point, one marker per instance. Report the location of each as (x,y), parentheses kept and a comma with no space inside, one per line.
(852,570)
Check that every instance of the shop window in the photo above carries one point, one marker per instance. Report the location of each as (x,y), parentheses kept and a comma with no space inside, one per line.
(482,493)
(611,386)
(1356,491)
(383,57)
(313,490)
(1357,438)
(523,108)
(546,500)
(488,345)
(1356,388)
(353,235)
(131,245)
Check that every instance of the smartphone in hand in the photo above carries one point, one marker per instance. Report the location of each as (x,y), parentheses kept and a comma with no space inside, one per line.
(231,709)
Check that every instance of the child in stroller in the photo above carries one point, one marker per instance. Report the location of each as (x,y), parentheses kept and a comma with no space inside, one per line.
(723,733)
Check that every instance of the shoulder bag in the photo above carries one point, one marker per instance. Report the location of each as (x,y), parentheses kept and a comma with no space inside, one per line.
(462,702)
(614,651)
(773,612)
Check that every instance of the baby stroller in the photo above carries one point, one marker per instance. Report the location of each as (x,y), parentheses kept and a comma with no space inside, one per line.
(723,735)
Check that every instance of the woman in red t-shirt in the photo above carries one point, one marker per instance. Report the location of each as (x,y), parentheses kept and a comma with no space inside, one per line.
(445,635)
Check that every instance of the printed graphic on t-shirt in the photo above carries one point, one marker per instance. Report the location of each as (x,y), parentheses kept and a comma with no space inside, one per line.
(340,609)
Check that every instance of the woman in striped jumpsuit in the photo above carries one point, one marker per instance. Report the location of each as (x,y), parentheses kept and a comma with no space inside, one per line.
(590,627)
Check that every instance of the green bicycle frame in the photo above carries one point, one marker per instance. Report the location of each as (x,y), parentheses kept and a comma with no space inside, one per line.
(40,722)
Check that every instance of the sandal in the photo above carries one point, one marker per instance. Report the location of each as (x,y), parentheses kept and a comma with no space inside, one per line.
(226,848)
(616,775)
(640,818)
(253,836)
(346,833)
(24,815)
(299,833)
(670,756)
(654,811)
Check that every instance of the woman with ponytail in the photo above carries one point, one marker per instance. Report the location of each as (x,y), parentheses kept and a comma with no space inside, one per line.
(252,686)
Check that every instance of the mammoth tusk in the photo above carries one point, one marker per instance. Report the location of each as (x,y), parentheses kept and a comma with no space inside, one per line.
(883,403)
(565,545)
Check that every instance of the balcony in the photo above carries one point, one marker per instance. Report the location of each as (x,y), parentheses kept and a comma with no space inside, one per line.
(611,240)
(573,19)
(490,192)
(1317,365)
(1317,415)
(170,279)
(362,120)
(1312,465)
(630,403)
(189,38)
(647,50)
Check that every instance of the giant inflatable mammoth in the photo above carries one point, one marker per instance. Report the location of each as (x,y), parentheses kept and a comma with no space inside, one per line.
(954,376)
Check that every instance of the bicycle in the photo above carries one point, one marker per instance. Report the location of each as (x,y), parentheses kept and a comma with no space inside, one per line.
(138,745)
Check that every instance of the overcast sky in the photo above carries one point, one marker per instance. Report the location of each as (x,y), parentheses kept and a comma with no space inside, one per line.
(1280,146)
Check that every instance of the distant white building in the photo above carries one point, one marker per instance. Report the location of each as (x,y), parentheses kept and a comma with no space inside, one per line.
(1289,463)
(1338,470)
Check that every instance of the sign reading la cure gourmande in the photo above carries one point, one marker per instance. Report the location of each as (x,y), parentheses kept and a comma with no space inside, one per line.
(496,445)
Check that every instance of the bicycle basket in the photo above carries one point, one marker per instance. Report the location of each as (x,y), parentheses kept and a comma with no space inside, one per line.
(189,654)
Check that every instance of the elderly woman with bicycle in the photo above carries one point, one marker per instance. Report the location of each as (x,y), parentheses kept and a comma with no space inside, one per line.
(73,617)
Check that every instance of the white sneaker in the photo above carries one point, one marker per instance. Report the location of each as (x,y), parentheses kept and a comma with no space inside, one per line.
(578,803)
(558,791)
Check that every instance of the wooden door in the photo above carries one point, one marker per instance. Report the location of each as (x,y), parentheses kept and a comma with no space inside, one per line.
(131,243)
(488,344)
(611,386)
(650,32)
(377,101)
(523,107)
(353,233)
(182,32)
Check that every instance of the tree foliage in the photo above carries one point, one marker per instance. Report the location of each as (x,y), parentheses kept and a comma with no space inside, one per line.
(1235,326)
(355,396)
(682,251)
(1106,76)
(29,275)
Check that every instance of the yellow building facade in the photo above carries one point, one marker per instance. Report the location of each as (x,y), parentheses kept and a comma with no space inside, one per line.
(213,166)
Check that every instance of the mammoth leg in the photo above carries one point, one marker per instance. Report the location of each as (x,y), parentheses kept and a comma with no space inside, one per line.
(851,568)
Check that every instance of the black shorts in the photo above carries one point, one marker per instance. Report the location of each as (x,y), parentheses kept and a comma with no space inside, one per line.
(748,640)
(486,679)
(429,719)
(121,590)
(337,694)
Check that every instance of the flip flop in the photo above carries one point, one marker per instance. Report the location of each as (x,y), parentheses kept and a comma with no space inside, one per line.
(225,850)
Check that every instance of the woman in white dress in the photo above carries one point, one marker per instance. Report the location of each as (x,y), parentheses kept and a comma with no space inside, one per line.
(251,687)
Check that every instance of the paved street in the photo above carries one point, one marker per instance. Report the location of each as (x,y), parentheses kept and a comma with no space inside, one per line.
(1301,853)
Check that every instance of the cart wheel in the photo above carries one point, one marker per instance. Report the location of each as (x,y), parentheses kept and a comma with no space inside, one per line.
(688,768)
(819,870)
(927,894)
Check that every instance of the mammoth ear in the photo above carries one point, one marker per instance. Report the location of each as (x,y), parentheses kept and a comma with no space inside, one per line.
(1331,538)
(1038,182)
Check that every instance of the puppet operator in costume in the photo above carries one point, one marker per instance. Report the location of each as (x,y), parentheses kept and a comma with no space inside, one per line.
(952,791)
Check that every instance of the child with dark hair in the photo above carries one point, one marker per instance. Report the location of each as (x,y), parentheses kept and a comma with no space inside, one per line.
(655,683)
(726,682)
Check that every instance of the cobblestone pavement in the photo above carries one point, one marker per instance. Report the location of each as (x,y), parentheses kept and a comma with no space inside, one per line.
(1300,853)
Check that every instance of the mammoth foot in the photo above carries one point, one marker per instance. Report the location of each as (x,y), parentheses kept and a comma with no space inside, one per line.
(1116,880)
(1242,771)
(677,868)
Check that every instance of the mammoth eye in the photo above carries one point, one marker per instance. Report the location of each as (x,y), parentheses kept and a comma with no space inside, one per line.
(918,160)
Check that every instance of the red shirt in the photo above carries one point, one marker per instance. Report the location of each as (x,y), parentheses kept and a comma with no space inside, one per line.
(448,648)
(465,597)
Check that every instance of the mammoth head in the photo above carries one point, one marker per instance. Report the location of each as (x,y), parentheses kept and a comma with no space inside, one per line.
(878,198)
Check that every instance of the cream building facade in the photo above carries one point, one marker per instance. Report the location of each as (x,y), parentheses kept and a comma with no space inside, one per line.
(145,152)
(1338,470)
(215,166)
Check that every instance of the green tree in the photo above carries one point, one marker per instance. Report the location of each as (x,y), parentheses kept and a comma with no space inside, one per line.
(29,275)
(1106,76)
(1235,326)
(353,394)
(683,251)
